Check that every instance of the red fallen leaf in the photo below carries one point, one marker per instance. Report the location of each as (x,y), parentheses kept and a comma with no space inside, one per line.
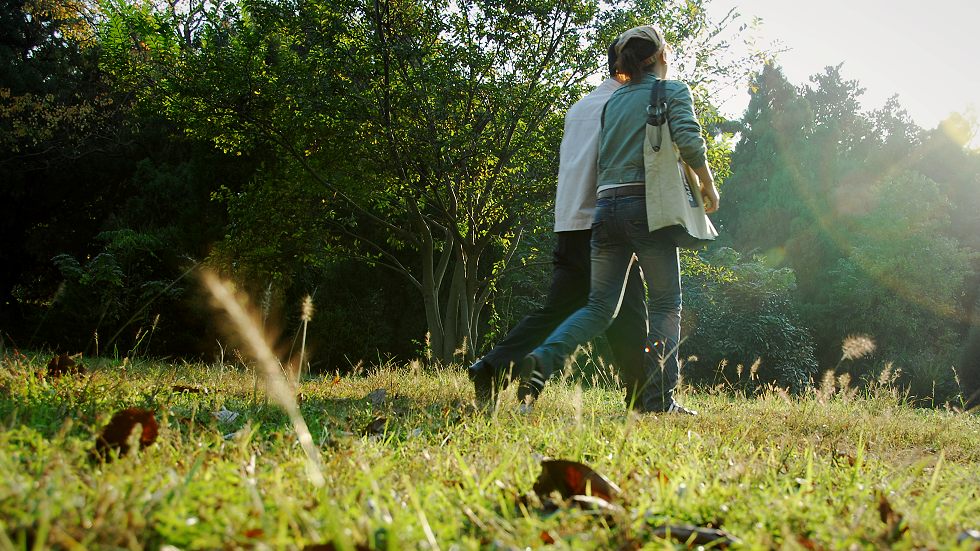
(332,547)
(115,435)
(546,538)
(254,533)
(809,544)
(570,478)
(376,427)
(63,364)
(695,535)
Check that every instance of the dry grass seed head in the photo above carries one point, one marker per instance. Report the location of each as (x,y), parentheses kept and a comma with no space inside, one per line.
(857,346)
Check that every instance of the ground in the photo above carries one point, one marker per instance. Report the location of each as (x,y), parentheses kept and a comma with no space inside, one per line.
(835,468)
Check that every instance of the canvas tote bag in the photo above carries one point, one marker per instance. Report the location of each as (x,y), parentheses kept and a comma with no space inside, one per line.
(673,192)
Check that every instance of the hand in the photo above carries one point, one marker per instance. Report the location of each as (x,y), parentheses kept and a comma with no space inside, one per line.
(709,194)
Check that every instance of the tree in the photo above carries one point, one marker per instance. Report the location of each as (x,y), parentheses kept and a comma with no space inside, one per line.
(869,211)
(418,136)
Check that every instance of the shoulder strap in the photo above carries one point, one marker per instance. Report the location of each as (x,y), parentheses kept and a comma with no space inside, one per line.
(657,110)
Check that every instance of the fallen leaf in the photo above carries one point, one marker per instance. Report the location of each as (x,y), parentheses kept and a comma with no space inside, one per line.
(335,381)
(570,478)
(892,519)
(844,457)
(546,538)
(63,364)
(116,434)
(807,543)
(376,427)
(254,533)
(695,535)
(332,547)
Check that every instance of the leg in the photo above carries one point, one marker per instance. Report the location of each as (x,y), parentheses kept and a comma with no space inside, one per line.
(661,270)
(569,291)
(610,261)
(627,336)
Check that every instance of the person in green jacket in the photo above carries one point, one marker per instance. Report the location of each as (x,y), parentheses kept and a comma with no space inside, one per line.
(620,231)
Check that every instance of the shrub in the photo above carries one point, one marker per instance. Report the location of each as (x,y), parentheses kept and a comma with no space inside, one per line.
(742,314)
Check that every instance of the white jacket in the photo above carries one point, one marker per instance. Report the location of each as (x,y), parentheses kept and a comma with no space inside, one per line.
(575,197)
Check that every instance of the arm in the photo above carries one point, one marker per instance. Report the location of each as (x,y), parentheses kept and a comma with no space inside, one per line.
(709,193)
(685,130)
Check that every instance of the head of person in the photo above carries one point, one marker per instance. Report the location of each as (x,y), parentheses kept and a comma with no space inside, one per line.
(642,50)
(612,58)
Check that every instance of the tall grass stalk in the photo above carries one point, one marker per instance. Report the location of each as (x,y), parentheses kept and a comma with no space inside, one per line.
(307,316)
(247,329)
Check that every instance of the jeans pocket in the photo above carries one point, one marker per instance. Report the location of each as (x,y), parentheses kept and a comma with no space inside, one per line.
(600,232)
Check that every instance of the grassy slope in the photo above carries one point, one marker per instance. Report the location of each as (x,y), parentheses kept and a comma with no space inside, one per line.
(775,471)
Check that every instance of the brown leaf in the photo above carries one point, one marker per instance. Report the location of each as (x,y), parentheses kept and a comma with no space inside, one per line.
(376,427)
(807,543)
(335,381)
(892,518)
(844,457)
(885,511)
(570,478)
(63,364)
(695,535)
(254,533)
(331,547)
(115,435)
(546,538)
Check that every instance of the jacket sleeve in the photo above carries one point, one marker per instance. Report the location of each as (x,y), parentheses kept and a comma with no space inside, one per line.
(684,126)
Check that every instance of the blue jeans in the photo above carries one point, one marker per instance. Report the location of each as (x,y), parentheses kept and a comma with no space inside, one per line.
(618,231)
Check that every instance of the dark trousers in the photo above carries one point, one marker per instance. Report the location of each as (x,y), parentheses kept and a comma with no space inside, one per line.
(569,291)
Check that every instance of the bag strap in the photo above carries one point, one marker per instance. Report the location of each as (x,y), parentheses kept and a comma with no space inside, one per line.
(657,110)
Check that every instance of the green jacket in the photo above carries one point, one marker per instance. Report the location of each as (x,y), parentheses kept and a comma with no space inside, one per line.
(624,127)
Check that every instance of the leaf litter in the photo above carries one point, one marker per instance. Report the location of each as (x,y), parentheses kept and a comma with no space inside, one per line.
(116,435)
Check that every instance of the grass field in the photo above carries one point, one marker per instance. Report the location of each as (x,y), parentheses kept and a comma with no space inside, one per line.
(835,469)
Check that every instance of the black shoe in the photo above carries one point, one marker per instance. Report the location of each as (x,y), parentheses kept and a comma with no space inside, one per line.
(484,382)
(532,380)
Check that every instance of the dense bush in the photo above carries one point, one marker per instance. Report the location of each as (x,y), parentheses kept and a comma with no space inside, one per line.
(743,314)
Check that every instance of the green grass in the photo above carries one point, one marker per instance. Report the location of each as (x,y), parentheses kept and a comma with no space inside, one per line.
(773,470)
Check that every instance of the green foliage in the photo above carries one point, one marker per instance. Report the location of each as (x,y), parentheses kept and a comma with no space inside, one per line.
(857,204)
(746,315)
(416,136)
(903,282)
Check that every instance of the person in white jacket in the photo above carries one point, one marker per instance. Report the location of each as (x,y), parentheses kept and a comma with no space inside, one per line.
(575,201)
